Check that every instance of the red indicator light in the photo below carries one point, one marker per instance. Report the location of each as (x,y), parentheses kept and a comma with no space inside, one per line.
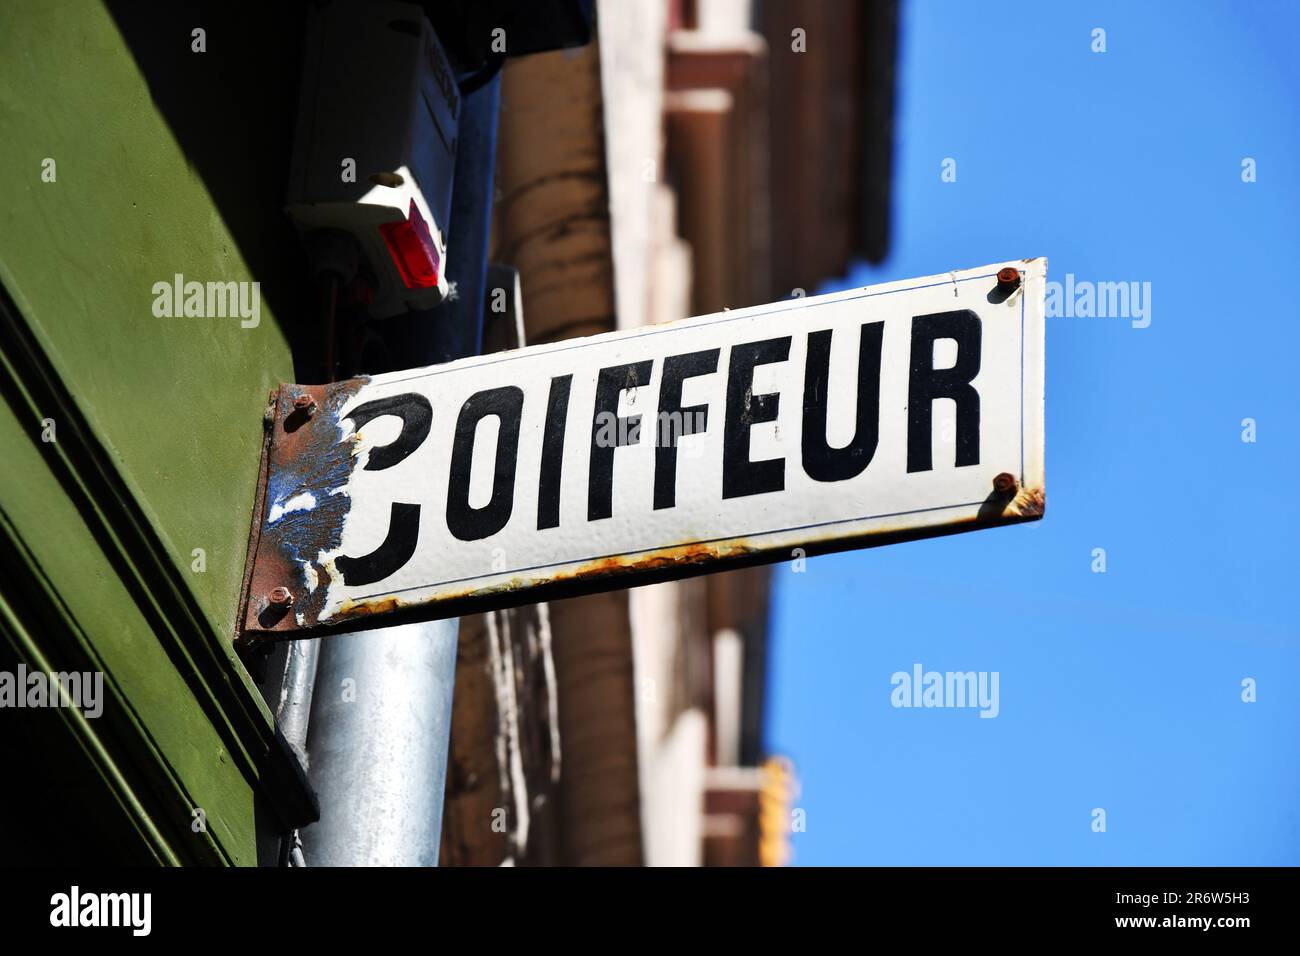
(412,248)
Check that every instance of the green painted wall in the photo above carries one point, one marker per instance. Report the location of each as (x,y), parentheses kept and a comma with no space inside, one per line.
(169,407)
(148,695)
(177,401)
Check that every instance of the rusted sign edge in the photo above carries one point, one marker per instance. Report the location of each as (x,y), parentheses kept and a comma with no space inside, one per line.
(242,641)
(1002,508)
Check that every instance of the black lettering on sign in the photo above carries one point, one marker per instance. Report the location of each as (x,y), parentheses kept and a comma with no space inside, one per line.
(397,547)
(474,524)
(740,476)
(404,518)
(548,482)
(926,383)
(608,432)
(674,420)
(416,415)
(820,460)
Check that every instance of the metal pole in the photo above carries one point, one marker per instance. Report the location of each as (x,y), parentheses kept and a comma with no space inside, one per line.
(293,708)
(381,711)
(381,721)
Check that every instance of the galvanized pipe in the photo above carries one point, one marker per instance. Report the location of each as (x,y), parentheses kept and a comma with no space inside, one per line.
(380,724)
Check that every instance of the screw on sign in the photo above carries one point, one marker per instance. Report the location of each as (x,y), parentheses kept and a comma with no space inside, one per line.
(858,418)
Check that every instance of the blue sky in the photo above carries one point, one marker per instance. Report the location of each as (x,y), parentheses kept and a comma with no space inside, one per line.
(1119,690)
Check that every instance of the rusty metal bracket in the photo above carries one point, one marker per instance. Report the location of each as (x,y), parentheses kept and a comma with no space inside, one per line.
(304,462)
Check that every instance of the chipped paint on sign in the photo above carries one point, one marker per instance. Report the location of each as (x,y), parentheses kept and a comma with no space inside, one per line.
(301,502)
(811,425)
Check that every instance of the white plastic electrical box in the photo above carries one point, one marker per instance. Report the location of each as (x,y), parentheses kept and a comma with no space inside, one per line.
(375,145)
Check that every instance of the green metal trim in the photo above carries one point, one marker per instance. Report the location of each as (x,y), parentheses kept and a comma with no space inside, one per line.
(26,579)
(204,657)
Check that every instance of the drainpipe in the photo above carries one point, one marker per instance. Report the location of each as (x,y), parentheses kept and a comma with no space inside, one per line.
(381,710)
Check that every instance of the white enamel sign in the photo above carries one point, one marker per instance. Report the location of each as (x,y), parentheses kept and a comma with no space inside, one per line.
(761,434)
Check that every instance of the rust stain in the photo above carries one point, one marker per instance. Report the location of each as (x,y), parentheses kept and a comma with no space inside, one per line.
(1010,503)
(350,609)
(1028,503)
(687,554)
(307,462)
(655,560)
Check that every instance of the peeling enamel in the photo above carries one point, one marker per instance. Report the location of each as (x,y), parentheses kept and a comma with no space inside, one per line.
(301,502)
